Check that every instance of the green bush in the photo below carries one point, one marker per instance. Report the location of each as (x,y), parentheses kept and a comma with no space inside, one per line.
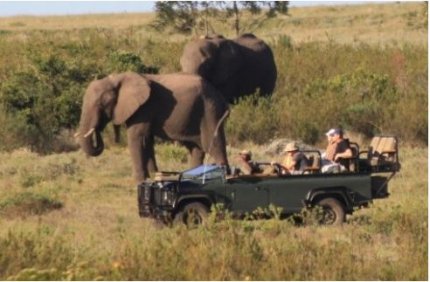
(124,61)
(45,98)
(369,89)
(252,118)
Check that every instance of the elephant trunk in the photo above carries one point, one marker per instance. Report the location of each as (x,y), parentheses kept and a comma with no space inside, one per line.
(92,143)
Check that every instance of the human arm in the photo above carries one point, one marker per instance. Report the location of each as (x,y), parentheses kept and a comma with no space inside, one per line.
(344,155)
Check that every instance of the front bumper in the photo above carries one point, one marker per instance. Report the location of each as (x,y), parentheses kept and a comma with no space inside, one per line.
(149,202)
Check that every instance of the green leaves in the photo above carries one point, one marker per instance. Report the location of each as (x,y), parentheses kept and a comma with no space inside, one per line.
(189,16)
(125,61)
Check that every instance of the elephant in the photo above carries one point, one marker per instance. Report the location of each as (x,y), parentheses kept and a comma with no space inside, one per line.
(182,107)
(235,67)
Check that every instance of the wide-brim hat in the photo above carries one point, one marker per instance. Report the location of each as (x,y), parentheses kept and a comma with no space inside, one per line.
(245,152)
(291,147)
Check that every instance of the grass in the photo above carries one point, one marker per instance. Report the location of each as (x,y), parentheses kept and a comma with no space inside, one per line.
(372,23)
(97,234)
(69,217)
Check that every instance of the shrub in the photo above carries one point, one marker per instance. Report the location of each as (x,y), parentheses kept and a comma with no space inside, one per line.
(125,61)
(252,118)
(46,98)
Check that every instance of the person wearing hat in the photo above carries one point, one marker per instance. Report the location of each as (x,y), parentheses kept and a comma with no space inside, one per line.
(337,150)
(247,166)
(295,162)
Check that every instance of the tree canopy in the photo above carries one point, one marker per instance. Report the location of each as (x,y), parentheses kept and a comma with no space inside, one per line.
(189,16)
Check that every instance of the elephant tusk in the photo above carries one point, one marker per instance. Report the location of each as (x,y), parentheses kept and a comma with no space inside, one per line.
(77,134)
(89,132)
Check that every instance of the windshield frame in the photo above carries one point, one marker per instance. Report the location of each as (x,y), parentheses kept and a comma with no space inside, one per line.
(201,171)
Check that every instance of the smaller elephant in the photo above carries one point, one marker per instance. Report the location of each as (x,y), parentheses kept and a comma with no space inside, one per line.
(235,67)
(180,107)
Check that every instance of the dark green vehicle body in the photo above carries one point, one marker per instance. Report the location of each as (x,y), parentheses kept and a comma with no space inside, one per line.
(162,199)
(170,193)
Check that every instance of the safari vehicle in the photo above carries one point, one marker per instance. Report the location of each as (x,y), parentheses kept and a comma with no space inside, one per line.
(188,196)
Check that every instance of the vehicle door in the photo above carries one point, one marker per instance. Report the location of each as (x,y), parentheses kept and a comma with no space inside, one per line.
(289,191)
(247,194)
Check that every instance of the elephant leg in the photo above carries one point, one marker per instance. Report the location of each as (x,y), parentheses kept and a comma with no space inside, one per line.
(117,133)
(196,155)
(140,150)
(218,148)
(267,88)
(151,164)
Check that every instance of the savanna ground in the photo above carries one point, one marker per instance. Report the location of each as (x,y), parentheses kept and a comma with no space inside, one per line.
(68,217)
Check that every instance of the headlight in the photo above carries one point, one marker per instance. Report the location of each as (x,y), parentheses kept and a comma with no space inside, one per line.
(167,197)
(167,193)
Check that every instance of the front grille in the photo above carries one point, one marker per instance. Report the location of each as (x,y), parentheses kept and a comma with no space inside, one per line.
(145,198)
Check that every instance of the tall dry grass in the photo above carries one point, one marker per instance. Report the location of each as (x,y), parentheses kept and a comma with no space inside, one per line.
(68,217)
(386,23)
(96,232)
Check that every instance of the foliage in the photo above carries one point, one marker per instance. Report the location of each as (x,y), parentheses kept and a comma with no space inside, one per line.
(189,16)
(45,97)
(366,88)
(97,234)
(252,117)
(182,15)
(125,61)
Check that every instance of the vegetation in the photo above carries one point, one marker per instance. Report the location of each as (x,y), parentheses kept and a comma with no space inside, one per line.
(65,216)
(366,88)
(96,234)
(189,16)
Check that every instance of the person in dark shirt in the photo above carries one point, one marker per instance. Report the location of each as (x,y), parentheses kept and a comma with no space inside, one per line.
(337,149)
(247,166)
(295,162)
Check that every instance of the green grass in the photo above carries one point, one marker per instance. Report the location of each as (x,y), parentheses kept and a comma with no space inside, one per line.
(97,234)
(69,217)
(368,85)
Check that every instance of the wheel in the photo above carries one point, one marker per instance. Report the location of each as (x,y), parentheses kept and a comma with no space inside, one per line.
(333,212)
(192,215)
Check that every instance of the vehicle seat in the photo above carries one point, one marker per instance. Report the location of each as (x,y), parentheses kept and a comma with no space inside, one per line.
(314,165)
(382,155)
(351,164)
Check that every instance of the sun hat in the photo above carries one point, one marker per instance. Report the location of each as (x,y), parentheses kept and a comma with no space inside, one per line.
(245,152)
(291,147)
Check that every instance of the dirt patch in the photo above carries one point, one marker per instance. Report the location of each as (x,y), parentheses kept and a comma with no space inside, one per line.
(26,204)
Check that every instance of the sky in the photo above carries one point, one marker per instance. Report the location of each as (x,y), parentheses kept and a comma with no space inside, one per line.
(36,8)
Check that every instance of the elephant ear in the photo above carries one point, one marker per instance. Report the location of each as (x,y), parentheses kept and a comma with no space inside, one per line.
(133,91)
(228,62)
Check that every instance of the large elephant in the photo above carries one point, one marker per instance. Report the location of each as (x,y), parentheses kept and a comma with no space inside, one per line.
(180,107)
(235,67)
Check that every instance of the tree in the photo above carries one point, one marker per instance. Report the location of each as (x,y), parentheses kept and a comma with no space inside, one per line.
(235,9)
(188,16)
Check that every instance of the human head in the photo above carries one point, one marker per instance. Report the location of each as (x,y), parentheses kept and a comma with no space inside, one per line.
(246,155)
(334,134)
(291,148)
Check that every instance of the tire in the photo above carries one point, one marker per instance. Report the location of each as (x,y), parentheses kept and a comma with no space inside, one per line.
(333,212)
(192,215)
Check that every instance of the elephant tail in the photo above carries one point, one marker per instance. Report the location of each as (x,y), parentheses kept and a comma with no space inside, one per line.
(224,116)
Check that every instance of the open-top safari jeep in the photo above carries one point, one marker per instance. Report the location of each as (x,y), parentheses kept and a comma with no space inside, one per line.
(188,196)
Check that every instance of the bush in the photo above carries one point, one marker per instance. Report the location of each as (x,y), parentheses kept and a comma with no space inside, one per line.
(45,98)
(124,61)
(366,88)
(252,118)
